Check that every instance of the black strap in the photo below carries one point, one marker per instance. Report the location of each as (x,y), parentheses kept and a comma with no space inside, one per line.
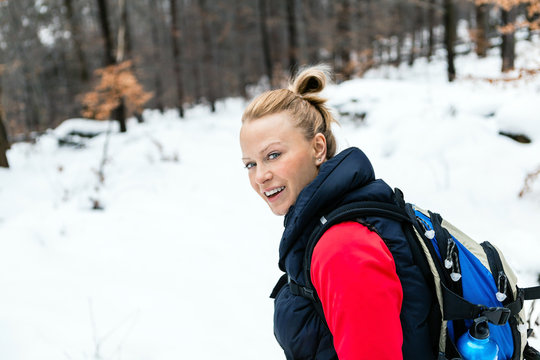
(310,294)
(457,308)
(531,293)
(301,290)
(350,211)
(516,306)
(368,208)
(531,353)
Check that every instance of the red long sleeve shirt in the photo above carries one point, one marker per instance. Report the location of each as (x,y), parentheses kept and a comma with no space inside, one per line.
(355,277)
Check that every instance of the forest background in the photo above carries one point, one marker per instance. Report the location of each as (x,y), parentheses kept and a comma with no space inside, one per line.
(104,59)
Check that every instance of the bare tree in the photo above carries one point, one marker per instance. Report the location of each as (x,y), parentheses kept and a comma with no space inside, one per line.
(431,26)
(238,29)
(156,54)
(76,36)
(508,44)
(480,33)
(265,42)
(109,58)
(292,35)
(175,39)
(343,39)
(208,56)
(4,143)
(450,37)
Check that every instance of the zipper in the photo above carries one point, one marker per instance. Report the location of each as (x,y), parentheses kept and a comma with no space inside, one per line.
(451,260)
(497,271)
(428,234)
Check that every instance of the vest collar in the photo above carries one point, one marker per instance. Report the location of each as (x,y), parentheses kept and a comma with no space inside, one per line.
(339,176)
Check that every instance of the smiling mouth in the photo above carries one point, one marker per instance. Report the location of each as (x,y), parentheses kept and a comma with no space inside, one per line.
(274,192)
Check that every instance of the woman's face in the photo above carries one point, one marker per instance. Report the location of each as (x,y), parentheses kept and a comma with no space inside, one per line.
(279,159)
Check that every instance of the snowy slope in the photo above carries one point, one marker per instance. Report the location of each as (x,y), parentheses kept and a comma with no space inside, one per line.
(180,262)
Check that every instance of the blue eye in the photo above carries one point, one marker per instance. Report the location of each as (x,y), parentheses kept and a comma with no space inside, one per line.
(273,155)
(249,165)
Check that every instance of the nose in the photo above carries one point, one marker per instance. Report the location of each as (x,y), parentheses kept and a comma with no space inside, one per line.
(263,175)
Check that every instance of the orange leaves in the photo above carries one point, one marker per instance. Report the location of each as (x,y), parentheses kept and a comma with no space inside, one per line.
(116,82)
(533,10)
(505,4)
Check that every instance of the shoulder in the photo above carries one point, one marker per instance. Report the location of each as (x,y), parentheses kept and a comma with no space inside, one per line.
(351,239)
(353,270)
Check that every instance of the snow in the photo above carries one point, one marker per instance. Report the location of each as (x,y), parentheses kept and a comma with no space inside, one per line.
(181,259)
(84,126)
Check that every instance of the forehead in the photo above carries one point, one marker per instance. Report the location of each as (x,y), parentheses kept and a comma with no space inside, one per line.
(256,134)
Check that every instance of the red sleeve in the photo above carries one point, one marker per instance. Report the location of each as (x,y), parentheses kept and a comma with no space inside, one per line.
(355,277)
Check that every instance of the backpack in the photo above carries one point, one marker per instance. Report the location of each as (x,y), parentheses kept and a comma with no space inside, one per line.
(469,279)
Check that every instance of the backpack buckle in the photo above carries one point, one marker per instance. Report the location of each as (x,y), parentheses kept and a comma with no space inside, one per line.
(497,315)
(300,290)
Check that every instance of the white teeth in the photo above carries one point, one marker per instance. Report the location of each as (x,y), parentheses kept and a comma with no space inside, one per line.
(275,191)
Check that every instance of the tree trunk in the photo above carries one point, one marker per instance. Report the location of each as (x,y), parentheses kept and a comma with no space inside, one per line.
(122,42)
(106,33)
(292,36)
(119,113)
(175,38)
(416,37)
(156,54)
(208,58)
(398,58)
(76,38)
(4,143)
(312,38)
(343,41)
(193,42)
(239,29)
(481,28)
(508,40)
(265,41)
(431,26)
(399,32)
(369,32)
(124,50)
(450,37)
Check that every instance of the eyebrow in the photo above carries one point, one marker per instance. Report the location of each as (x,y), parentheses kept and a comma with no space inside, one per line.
(265,148)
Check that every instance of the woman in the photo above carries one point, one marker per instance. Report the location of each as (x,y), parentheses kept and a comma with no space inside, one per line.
(369,312)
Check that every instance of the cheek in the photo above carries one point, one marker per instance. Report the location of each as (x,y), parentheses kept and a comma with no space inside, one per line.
(253,183)
(308,174)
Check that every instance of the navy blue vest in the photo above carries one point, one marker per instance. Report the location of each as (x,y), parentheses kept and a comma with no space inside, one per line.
(346,178)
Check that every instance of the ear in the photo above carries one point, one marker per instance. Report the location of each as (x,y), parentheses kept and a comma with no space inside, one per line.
(319,147)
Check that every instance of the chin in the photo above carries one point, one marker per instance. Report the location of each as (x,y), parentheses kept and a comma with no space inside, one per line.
(280,211)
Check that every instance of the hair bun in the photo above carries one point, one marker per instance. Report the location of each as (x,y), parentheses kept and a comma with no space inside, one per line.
(310,80)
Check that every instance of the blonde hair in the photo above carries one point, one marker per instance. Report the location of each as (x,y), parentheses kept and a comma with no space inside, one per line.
(302,102)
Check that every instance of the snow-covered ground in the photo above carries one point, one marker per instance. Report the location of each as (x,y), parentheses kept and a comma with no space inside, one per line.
(180,260)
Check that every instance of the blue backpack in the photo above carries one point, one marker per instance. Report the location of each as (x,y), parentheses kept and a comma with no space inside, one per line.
(470,279)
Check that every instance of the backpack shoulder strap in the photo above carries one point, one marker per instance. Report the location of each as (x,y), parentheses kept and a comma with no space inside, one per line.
(348,212)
